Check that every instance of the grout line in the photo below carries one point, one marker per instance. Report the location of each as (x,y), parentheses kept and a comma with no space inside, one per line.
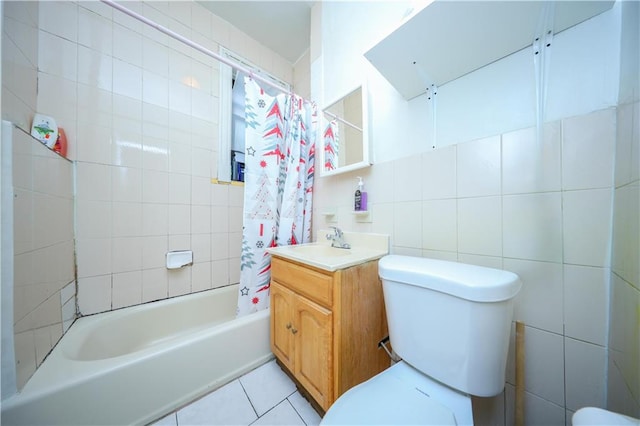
(249,399)
(294,408)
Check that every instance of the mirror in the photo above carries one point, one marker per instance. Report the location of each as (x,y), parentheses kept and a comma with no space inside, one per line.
(345,139)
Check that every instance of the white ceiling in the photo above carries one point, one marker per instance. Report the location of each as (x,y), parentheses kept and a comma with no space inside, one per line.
(282,26)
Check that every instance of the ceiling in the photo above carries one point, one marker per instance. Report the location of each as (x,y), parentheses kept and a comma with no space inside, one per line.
(282,26)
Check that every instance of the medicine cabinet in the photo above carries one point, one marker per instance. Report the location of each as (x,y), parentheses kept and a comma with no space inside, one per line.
(448,39)
(344,133)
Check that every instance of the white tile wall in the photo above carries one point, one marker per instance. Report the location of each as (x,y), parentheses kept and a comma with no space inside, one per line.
(409,173)
(408,224)
(530,164)
(43,265)
(623,348)
(585,316)
(60,19)
(532,227)
(439,173)
(539,411)
(587,226)
(588,149)
(126,288)
(19,63)
(57,56)
(544,369)
(95,31)
(478,169)
(94,294)
(619,397)
(540,300)
(623,386)
(154,284)
(585,374)
(126,254)
(439,225)
(480,226)
(626,233)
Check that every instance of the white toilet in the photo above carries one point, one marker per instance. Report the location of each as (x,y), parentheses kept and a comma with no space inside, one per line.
(597,416)
(450,323)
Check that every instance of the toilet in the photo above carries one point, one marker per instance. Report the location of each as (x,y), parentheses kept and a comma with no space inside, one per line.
(597,416)
(450,323)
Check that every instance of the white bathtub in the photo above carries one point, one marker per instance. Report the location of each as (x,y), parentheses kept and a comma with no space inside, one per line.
(134,365)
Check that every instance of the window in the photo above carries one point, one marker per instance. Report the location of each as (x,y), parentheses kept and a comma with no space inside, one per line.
(231,147)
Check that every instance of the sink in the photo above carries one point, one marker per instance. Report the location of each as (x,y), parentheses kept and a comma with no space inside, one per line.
(364,247)
(321,250)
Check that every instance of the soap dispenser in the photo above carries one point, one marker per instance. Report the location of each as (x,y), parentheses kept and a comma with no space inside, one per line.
(360,204)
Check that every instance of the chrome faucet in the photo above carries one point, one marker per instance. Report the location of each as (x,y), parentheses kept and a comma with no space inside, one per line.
(337,239)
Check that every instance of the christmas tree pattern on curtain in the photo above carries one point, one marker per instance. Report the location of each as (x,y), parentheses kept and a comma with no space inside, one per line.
(331,137)
(278,189)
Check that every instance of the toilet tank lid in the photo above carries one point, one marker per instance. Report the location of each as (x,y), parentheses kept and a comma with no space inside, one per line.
(470,282)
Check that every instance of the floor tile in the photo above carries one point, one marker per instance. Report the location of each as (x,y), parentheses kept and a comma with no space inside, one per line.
(267,386)
(228,405)
(304,409)
(281,414)
(169,420)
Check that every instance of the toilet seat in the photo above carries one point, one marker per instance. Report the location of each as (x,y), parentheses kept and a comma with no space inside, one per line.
(400,395)
(598,416)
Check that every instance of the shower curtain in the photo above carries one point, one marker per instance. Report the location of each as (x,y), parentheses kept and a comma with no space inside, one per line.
(279,169)
(331,137)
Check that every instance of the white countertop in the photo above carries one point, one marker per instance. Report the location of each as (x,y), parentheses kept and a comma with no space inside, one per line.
(320,254)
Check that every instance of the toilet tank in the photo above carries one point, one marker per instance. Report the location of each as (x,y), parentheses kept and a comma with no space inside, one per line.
(450,320)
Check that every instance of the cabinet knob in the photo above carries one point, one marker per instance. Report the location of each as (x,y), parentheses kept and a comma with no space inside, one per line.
(288,326)
(294,330)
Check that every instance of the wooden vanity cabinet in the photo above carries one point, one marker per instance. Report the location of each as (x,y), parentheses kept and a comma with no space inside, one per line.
(325,326)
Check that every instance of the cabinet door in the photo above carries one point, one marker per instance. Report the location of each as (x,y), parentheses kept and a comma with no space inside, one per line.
(314,350)
(282,339)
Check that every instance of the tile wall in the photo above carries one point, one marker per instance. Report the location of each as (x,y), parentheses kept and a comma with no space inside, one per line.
(624,335)
(141,113)
(19,62)
(44,259)
(542,210)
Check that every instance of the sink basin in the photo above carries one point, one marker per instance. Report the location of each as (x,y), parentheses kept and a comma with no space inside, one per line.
(364,247)
(321,251)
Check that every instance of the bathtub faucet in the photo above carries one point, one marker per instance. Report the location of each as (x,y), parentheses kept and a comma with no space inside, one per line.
(337,238)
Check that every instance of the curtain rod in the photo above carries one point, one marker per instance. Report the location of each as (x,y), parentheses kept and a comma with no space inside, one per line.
(206,51)
(191,43)
(335,117)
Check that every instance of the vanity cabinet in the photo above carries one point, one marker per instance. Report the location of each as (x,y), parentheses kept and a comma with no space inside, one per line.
(325,326)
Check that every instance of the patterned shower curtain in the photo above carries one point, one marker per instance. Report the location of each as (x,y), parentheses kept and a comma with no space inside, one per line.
(279,168)
(331,137)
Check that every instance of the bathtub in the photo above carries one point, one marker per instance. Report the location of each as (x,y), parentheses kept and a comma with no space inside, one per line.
(134,365)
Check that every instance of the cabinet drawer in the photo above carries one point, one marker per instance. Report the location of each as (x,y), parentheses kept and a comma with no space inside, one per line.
(314,285)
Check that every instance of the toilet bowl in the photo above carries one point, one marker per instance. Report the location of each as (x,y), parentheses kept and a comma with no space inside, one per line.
(597,416)
(450,323)
(400,395)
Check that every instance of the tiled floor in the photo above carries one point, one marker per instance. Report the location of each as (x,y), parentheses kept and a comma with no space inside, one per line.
(264,396)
